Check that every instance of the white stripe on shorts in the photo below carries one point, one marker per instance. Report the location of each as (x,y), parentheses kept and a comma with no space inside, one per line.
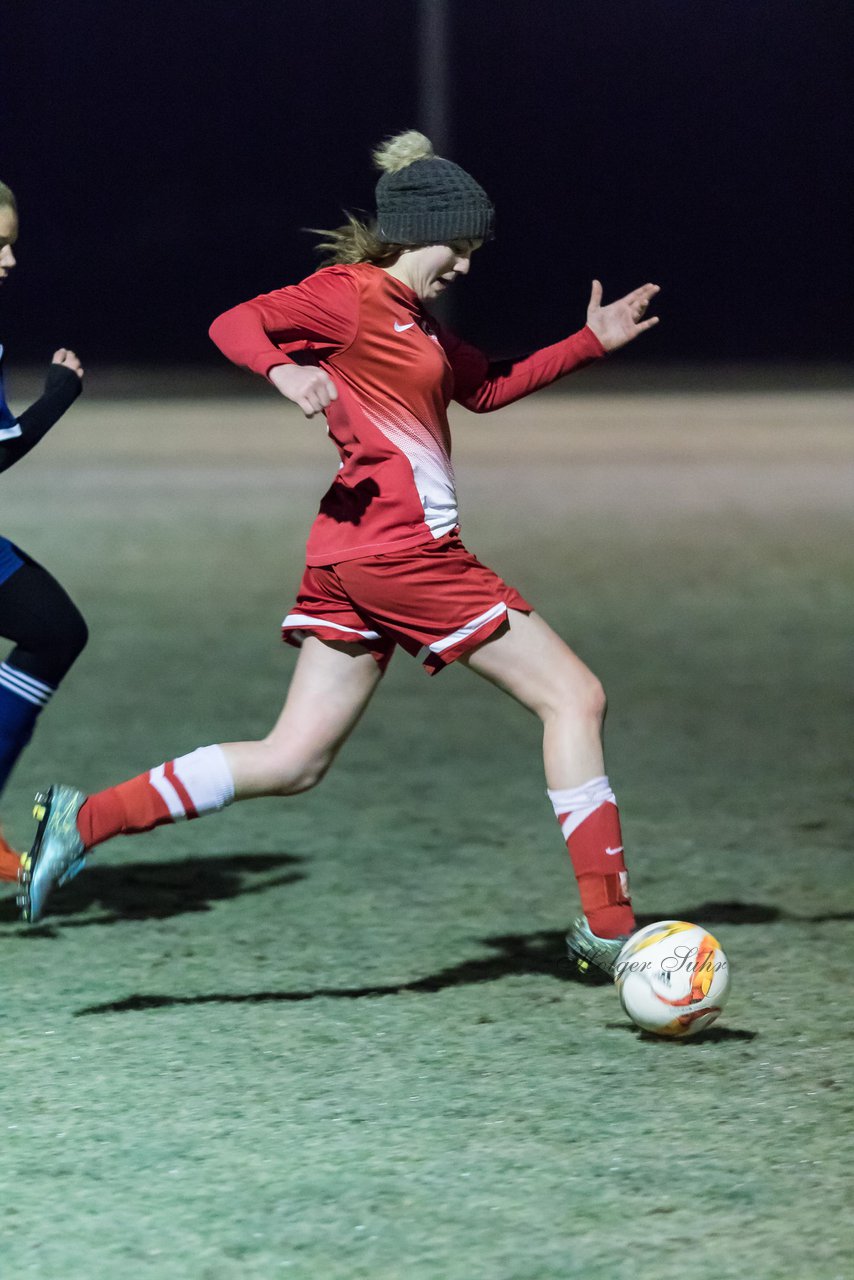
(305,620)
(447,642)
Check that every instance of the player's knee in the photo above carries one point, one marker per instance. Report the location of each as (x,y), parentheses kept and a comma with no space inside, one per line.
(581,695)
(64,643)
(67,647)
(294,773)
(595,699)
(53,651)
(307,775)
(75,636)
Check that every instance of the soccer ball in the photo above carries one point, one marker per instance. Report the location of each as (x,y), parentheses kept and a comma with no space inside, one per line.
(672,978)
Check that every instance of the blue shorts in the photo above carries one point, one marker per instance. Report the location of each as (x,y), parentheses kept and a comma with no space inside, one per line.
(11,559)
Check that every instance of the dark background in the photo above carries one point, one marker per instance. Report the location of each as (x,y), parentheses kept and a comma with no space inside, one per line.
(165,157)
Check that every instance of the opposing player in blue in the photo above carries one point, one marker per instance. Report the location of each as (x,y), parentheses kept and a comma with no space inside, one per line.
(45,626)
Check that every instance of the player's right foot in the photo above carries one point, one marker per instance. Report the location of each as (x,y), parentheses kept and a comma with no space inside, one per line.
(593,957)
(11,861)
(57,853)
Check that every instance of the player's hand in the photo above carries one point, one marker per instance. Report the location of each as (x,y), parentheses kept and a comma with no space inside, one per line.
(621,321)
(67,358)
(310,388)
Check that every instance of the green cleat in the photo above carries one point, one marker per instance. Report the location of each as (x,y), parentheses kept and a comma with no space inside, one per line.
(57,853)
(593,957)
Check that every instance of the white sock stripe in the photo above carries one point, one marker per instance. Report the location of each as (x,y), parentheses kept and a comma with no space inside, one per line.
(12,685)
(588,796)
(439,646)
(206,776)
(572,821)
(576,804)
(575,819)
(26,697)
(305,620)
(37,686)
(167,792)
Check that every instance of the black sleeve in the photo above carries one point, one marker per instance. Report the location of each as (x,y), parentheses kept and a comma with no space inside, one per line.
(62,387)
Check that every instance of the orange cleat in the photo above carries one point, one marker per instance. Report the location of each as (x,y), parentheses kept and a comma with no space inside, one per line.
(10,861)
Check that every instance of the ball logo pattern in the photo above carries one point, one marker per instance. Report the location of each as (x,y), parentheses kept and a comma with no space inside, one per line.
(672,978)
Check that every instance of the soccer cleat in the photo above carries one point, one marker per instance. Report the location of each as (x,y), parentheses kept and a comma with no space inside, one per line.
(593,957)
(11,862)
(57,853)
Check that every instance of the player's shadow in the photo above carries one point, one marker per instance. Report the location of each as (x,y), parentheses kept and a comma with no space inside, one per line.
(514,955)
(347,504)
(109,894)
(543,952)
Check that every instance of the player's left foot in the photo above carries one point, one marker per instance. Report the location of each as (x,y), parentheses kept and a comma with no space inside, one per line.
(57,853)
(592,957)
(10,861)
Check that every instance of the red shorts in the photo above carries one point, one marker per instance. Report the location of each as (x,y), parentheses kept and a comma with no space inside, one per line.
(436,600)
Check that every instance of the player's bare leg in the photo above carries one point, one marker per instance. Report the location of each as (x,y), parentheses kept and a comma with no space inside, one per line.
(534,665)
(330,689)
(331,686)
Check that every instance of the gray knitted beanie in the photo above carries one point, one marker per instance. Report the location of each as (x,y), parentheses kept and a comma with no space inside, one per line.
(423,199)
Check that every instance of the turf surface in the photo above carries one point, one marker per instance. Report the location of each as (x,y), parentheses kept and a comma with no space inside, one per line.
(335,1036)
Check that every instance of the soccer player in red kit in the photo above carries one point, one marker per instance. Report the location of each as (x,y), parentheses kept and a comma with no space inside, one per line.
(385,565)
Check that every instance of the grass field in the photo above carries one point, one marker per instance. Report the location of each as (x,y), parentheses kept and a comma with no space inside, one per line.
(335,1038)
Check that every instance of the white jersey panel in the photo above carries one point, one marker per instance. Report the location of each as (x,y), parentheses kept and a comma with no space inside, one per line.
(432,472)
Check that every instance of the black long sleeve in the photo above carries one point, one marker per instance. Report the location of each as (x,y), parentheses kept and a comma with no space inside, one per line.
(62,387)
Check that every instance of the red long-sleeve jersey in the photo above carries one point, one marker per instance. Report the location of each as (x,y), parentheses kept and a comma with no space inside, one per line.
(396,370)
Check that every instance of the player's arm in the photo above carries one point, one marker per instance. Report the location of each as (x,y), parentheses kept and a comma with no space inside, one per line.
(62,386)
(323,309)
(483,385)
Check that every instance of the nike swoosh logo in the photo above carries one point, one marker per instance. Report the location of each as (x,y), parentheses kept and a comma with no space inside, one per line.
(399,328)
(619,849)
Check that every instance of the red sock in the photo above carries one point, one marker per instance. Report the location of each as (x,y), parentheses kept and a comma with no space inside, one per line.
(590,822)
(122,810)
(10,861)
(187,787)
